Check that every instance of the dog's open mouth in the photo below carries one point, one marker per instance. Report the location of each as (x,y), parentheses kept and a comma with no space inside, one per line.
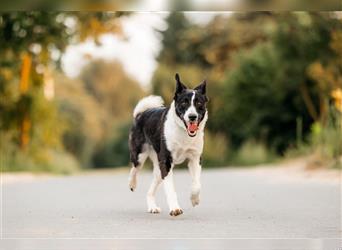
(192,128)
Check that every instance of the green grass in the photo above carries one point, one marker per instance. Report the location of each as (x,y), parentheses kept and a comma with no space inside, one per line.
(253,153)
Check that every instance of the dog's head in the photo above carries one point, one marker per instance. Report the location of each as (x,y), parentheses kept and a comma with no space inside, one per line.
(190,105)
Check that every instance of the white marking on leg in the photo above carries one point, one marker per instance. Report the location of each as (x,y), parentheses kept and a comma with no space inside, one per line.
(132,178)
(151,200)
(171,195)
(195,169)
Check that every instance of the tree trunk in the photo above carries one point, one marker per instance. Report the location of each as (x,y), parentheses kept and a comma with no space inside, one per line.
(25,125)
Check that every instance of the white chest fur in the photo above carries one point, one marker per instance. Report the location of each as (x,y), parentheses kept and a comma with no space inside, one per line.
(178,142)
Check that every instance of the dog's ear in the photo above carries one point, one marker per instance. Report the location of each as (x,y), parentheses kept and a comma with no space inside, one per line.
(179,85)
(202,88)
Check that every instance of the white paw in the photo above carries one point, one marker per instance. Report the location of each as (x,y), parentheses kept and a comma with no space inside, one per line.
(176,212)
(195,199)
(132,184)
(154,210)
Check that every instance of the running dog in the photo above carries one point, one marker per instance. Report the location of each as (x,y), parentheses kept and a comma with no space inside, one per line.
(169,136)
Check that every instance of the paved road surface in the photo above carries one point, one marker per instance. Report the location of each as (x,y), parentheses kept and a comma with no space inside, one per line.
(234,204)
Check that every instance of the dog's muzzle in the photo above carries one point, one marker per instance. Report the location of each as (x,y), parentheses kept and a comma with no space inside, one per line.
(192,128)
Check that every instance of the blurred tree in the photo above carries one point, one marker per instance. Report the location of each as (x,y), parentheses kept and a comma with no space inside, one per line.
(326,133)
(82,115)
(270,88)
(328,75)
(80,5)
(259,104)
(105,81)
(173,40)
(97,107)
(257,69)
(117,94)
(301,39)
(198,52)
(113,151)
(31,46)
(180,5)
(206,51)
(24,35)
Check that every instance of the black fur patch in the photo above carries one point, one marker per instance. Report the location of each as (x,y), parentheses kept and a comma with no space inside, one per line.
(148,128)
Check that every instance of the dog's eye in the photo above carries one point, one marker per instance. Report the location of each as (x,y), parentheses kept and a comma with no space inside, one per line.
(184,103)
(199,104)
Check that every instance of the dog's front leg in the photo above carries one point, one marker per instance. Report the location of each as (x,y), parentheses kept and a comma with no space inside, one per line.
(166,170)
(195,169)
(171,195)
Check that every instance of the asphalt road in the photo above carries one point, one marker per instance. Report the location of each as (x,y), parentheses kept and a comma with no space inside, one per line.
(234,204)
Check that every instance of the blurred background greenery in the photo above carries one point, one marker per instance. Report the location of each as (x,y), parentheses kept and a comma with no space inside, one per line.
(274,83)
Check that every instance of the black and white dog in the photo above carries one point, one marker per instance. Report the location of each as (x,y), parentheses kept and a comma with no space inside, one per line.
(169,136)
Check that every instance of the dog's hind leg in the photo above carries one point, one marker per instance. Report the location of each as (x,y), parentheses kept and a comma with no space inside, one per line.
(151,200)
(132,179)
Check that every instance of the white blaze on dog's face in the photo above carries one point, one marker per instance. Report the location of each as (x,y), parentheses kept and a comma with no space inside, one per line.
(190,105)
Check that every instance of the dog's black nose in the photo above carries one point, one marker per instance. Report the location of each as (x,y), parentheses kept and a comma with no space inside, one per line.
(192,117)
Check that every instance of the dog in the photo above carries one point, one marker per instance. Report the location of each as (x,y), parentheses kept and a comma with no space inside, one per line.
(169,136)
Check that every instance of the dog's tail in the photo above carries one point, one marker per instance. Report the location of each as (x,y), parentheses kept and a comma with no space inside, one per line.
(146,103)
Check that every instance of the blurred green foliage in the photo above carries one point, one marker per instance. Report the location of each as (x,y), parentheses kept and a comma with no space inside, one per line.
(114,151)
(259,79)
(327,140)
(61,133)
(97,112)
(274,84)
(324,144)
(252,153)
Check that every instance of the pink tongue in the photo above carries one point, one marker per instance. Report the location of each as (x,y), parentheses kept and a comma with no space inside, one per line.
(192,127)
